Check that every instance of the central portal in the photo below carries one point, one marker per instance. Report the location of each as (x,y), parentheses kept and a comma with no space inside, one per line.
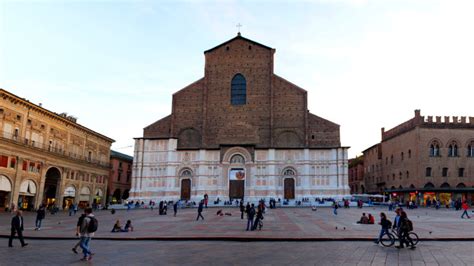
(236,183)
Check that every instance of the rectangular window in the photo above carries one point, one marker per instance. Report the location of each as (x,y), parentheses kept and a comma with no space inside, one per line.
(428,171)
(461,172)
(4,161)
(119,175)
(12,163)
(31,167)
(25,165)
(445,172)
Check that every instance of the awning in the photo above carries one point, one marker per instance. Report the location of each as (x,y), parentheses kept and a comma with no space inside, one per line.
(99,193)
(5,184)
(28,187)
(70,191)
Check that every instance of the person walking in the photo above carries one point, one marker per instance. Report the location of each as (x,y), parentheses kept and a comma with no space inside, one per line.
(465,207)
(87,230)
(385,224)
(405,228)
(250,216)
(78,232)
(335,207)
(258,217)
(175,208)
(206,199)
(40,214)
(242,209)
(17,228)
(200,207)
(71,209)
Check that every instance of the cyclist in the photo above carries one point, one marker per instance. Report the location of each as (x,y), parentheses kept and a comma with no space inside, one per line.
(385,224)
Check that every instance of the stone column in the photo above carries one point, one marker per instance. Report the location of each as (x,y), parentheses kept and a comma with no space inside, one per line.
(40,188)
(60,190)
(16,184)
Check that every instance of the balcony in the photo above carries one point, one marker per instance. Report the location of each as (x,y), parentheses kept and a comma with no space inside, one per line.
(6,136)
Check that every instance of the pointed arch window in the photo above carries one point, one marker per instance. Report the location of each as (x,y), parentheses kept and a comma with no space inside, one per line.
(453,149)
(238,90)
(470,149)
(434,149)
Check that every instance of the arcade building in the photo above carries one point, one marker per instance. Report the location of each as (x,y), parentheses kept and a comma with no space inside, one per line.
(240,132)
(49,158)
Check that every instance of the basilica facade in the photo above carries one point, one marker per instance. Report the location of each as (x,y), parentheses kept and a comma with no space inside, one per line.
(240,132)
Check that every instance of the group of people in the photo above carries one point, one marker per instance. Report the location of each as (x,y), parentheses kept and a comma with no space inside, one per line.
(366,219)
(402,226)
(254,217)
(118,228)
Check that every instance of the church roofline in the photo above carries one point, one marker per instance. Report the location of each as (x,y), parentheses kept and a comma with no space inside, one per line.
(239,36)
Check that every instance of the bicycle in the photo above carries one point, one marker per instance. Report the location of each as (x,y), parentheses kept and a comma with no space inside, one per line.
(389,238)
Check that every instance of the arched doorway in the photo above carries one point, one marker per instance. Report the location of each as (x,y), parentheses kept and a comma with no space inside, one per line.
(289,183)
(84,197)
(185,189)
(69,196)
(116,197)
(27,195)
(289,187)
(125,194)
(237,177)
(5,192)
(51,185)
(98,195)
(185,176)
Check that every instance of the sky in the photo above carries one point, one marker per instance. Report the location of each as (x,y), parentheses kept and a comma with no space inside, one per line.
(365,64)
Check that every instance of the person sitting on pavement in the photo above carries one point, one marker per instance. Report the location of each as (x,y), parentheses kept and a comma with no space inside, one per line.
(364,219)
(371,219)
(128,227)
(117,227)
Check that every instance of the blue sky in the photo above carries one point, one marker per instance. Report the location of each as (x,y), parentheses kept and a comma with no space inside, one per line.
(365,64)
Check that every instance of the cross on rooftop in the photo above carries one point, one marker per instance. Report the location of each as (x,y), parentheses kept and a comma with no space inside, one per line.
(239,26)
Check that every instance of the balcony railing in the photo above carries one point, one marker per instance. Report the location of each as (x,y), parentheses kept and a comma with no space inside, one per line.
(46,147)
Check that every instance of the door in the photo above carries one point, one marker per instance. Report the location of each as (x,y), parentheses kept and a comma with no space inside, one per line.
(236,189)
(289,188)
(185,189)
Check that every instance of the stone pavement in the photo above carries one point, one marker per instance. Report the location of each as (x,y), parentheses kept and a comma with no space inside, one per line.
(58,252)
(279,224)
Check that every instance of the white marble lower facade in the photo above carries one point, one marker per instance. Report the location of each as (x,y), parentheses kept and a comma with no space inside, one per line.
(161,172)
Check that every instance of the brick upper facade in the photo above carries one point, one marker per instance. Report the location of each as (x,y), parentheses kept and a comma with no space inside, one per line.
(275,114)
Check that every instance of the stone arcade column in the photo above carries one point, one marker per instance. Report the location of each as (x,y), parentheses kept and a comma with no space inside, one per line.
(41,183)
(60,191)
(16,182)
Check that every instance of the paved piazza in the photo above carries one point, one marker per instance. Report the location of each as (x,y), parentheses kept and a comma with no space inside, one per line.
(58,252)
(281,223)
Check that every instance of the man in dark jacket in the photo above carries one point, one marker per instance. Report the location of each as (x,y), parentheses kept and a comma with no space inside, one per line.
(250,216)
(200,207)
(17,227)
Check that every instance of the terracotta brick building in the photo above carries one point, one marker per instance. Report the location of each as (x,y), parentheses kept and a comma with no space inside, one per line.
(239,119)
(424,158)
(120,178)
(356,175)
(46,157)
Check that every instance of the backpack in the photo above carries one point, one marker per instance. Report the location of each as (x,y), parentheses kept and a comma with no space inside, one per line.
(409,225)
(389,223)
(93,225)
